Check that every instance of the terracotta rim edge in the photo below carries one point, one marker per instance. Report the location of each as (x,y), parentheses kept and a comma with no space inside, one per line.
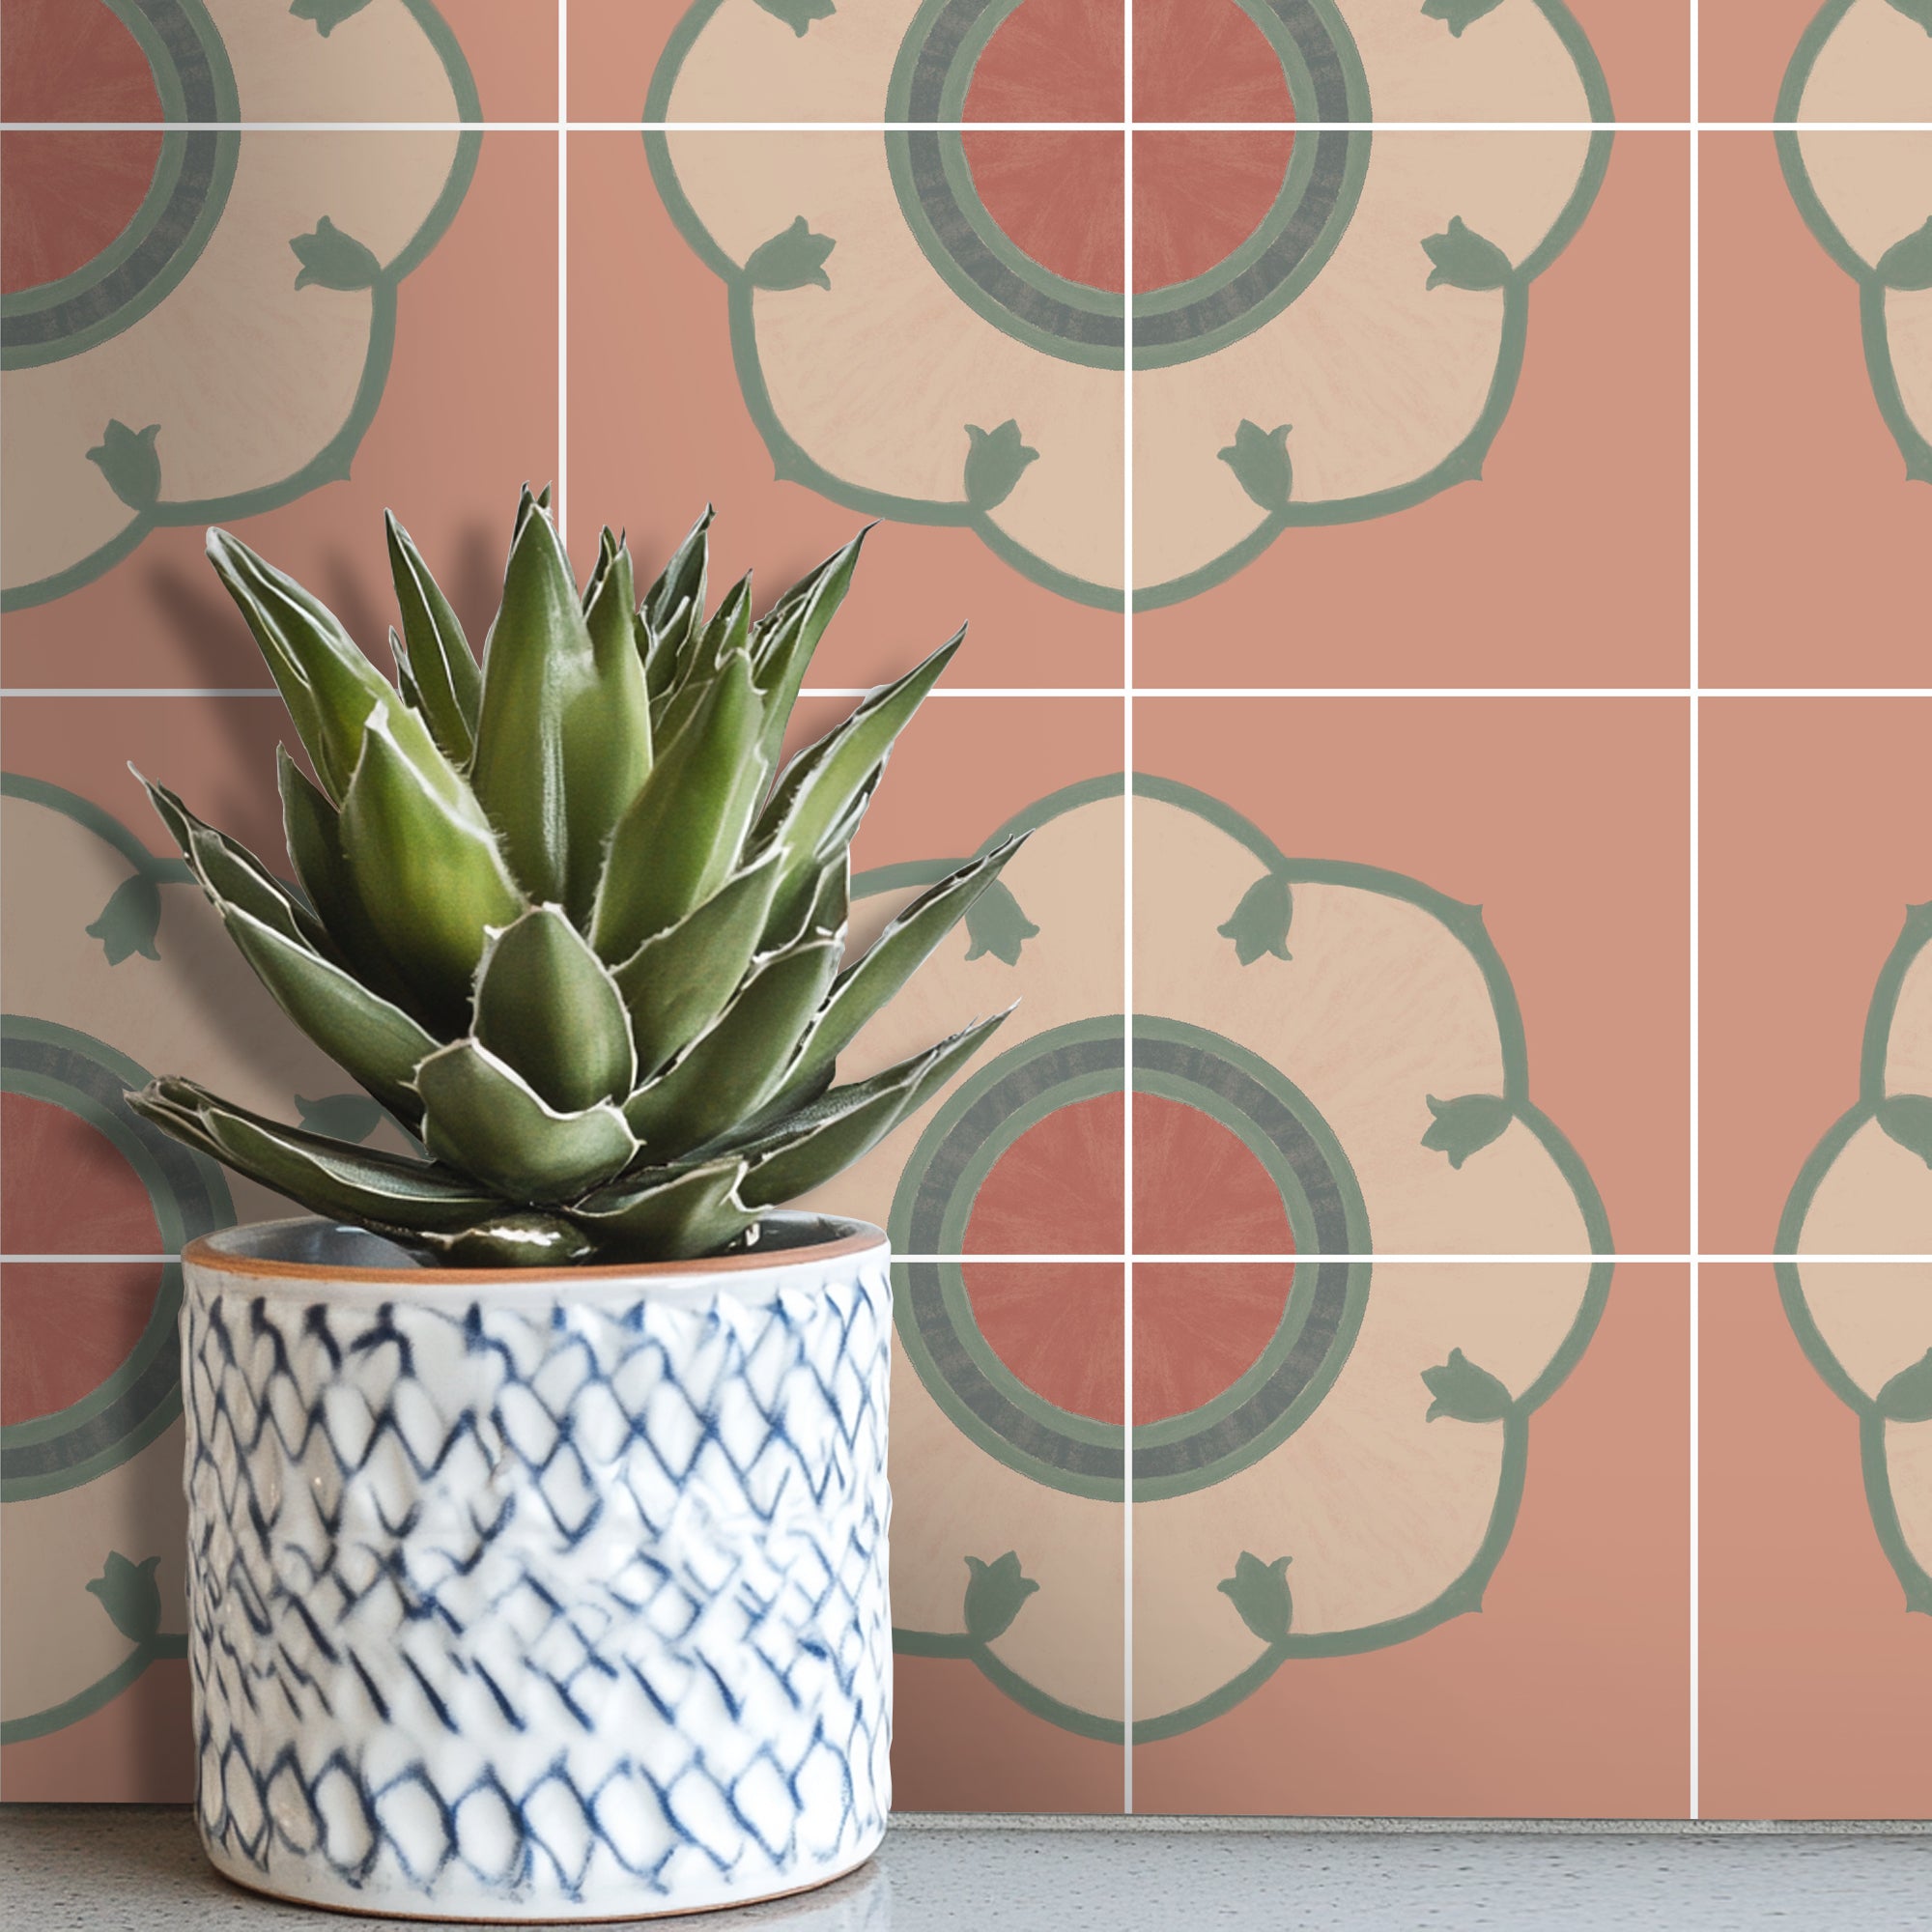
(206,1252)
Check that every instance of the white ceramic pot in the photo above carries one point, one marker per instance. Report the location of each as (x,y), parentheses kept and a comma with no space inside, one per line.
(530,1594)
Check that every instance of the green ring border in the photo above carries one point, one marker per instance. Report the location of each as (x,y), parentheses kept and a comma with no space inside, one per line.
(175,144)
(331,463)
(1914,1576)
(1874,331)
(1465,1595)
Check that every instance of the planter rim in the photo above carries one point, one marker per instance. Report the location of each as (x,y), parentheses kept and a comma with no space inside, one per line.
(223,1253)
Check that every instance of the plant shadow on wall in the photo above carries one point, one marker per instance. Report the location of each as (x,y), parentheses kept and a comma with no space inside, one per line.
(1350,1476)
(1350,350)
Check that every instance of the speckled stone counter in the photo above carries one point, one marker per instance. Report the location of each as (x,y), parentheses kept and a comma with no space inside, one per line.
(126,1869)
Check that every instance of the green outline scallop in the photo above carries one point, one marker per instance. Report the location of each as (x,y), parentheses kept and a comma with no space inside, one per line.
(1913,1575)
(331,463)
(1874,330)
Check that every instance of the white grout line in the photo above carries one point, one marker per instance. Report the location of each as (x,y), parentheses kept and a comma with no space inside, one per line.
(1694,1752)
(641,127)
(1127,934)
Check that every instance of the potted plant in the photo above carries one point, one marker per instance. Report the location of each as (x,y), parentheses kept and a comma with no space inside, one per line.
(537,1492)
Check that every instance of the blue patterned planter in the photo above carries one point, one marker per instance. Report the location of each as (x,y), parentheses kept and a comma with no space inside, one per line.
(525,1595)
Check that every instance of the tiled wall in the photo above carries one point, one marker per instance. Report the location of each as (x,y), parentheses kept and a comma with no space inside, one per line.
(1477,1361)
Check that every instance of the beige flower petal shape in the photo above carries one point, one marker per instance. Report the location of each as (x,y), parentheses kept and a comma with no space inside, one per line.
(1876,188)
(1874,1199)
(747,64)
(1380,1510)
(1380,1008)
(878,377)
(1380,376)
(248,376)
(59,1639)
(377,64)
(1876,65)
(1511,65)
(1875,1318)
(950,1500)
(1068,878)
(1908,1454)
(1908,1048)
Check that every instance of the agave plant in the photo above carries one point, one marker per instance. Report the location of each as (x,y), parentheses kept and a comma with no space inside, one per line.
(562,914)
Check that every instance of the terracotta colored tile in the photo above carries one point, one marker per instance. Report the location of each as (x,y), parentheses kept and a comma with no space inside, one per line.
(1021,1153)
(1822,799)
(1817,1621)
(1814,60)
(1440,1644)
(812,60)
(1306,504)
(859,394)
(280,411)
(323,60)
(1813,503)
(1007,1457)
(1391,818)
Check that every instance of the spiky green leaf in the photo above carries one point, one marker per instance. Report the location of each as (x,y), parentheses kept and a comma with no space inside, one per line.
(683,834)
(427,869)
(709,651)
(820,784)
(736,1065)
(547,1006)
(518,1237)
(330,687)
(442,668)
(480,1114)
(678,982)
(373,1042)
(673,606)
(329,1177)
(674,1217)
(863,989)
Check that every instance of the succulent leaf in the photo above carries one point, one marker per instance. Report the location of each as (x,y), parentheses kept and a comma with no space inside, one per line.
(818,786)
(441,666)
(784,639)
(427,869)
(330,687)
(683,834)
(736,1065)
(331,1176)
(676,983)
(564,732)
(695,1211)
(709,650)
(313,830)
(548,1006)
(898,952)
(673,606)
(374,1042)
(480,1114)
(513,1237)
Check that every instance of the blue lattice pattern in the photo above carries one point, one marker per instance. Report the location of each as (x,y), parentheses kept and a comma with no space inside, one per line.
(557,1606)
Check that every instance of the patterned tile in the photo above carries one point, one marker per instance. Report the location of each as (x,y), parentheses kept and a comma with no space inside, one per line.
(343,336)
(1006,1466)
(1452,1582)
(1816,1634)
(1811,1145)
(312,61)
(1817,261)
(818,60)
(1814,60)
(1347,1024)
(1439,384)
(817,358)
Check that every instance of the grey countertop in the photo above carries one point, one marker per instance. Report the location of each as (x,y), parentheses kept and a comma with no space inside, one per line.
(137,1868)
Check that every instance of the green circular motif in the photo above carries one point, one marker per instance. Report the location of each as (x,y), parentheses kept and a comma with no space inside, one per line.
(148,259)
(959,236)
(51,1453)
(1270,1398)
